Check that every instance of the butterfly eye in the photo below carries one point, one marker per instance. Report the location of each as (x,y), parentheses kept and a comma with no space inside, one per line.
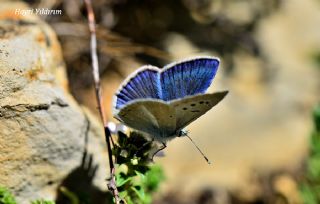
(182,133)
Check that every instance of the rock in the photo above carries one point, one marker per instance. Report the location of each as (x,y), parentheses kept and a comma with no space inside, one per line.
(42,129)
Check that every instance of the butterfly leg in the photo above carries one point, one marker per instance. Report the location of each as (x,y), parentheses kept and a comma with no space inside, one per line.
(160,149)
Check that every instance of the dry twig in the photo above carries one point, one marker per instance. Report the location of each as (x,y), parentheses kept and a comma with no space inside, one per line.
(95,71)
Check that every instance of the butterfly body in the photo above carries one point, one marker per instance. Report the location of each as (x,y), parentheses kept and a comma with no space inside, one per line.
(161,102)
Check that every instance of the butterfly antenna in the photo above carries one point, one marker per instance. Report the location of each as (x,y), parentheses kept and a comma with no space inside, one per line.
(204,156)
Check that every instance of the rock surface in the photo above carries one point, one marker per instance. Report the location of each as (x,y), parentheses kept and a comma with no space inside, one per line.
(42,129)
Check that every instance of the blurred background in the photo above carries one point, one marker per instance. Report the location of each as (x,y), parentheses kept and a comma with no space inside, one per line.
(258,136)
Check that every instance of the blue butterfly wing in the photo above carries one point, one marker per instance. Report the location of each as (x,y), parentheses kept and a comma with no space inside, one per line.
(145,83)
(187,78)
(178,80)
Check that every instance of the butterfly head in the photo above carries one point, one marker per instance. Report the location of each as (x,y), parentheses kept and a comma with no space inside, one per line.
(182,133)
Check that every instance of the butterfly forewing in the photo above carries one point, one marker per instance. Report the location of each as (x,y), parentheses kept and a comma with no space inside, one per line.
(189,109)
(151,116)
(177,80)
(189,77)
(143,84)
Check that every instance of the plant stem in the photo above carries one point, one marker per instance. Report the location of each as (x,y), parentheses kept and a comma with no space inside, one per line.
(95,71)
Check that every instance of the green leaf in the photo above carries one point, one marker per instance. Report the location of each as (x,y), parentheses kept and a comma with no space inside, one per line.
(121,180)
(123,168)
(316,58)
(144,197)
(42,202)
(129,200)
(316,117)
(139,192)
(6,197)
(154,178)
(315,142)
(138,180)
(123,194)
(314,167)
(142,176)
(307,194)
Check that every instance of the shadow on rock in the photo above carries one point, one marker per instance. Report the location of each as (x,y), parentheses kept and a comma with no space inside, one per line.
(78,186)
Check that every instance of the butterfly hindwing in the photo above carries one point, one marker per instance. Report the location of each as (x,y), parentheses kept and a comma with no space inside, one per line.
(142,84)
(188,77)
(151,116)
(190,108)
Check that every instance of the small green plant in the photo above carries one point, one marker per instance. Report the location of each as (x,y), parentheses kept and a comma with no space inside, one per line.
(135,176)
(6,197)
(316,58)
(310,187)
(42,202)
(136,179)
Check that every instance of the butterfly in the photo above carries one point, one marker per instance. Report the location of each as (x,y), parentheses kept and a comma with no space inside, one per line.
(162,102)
